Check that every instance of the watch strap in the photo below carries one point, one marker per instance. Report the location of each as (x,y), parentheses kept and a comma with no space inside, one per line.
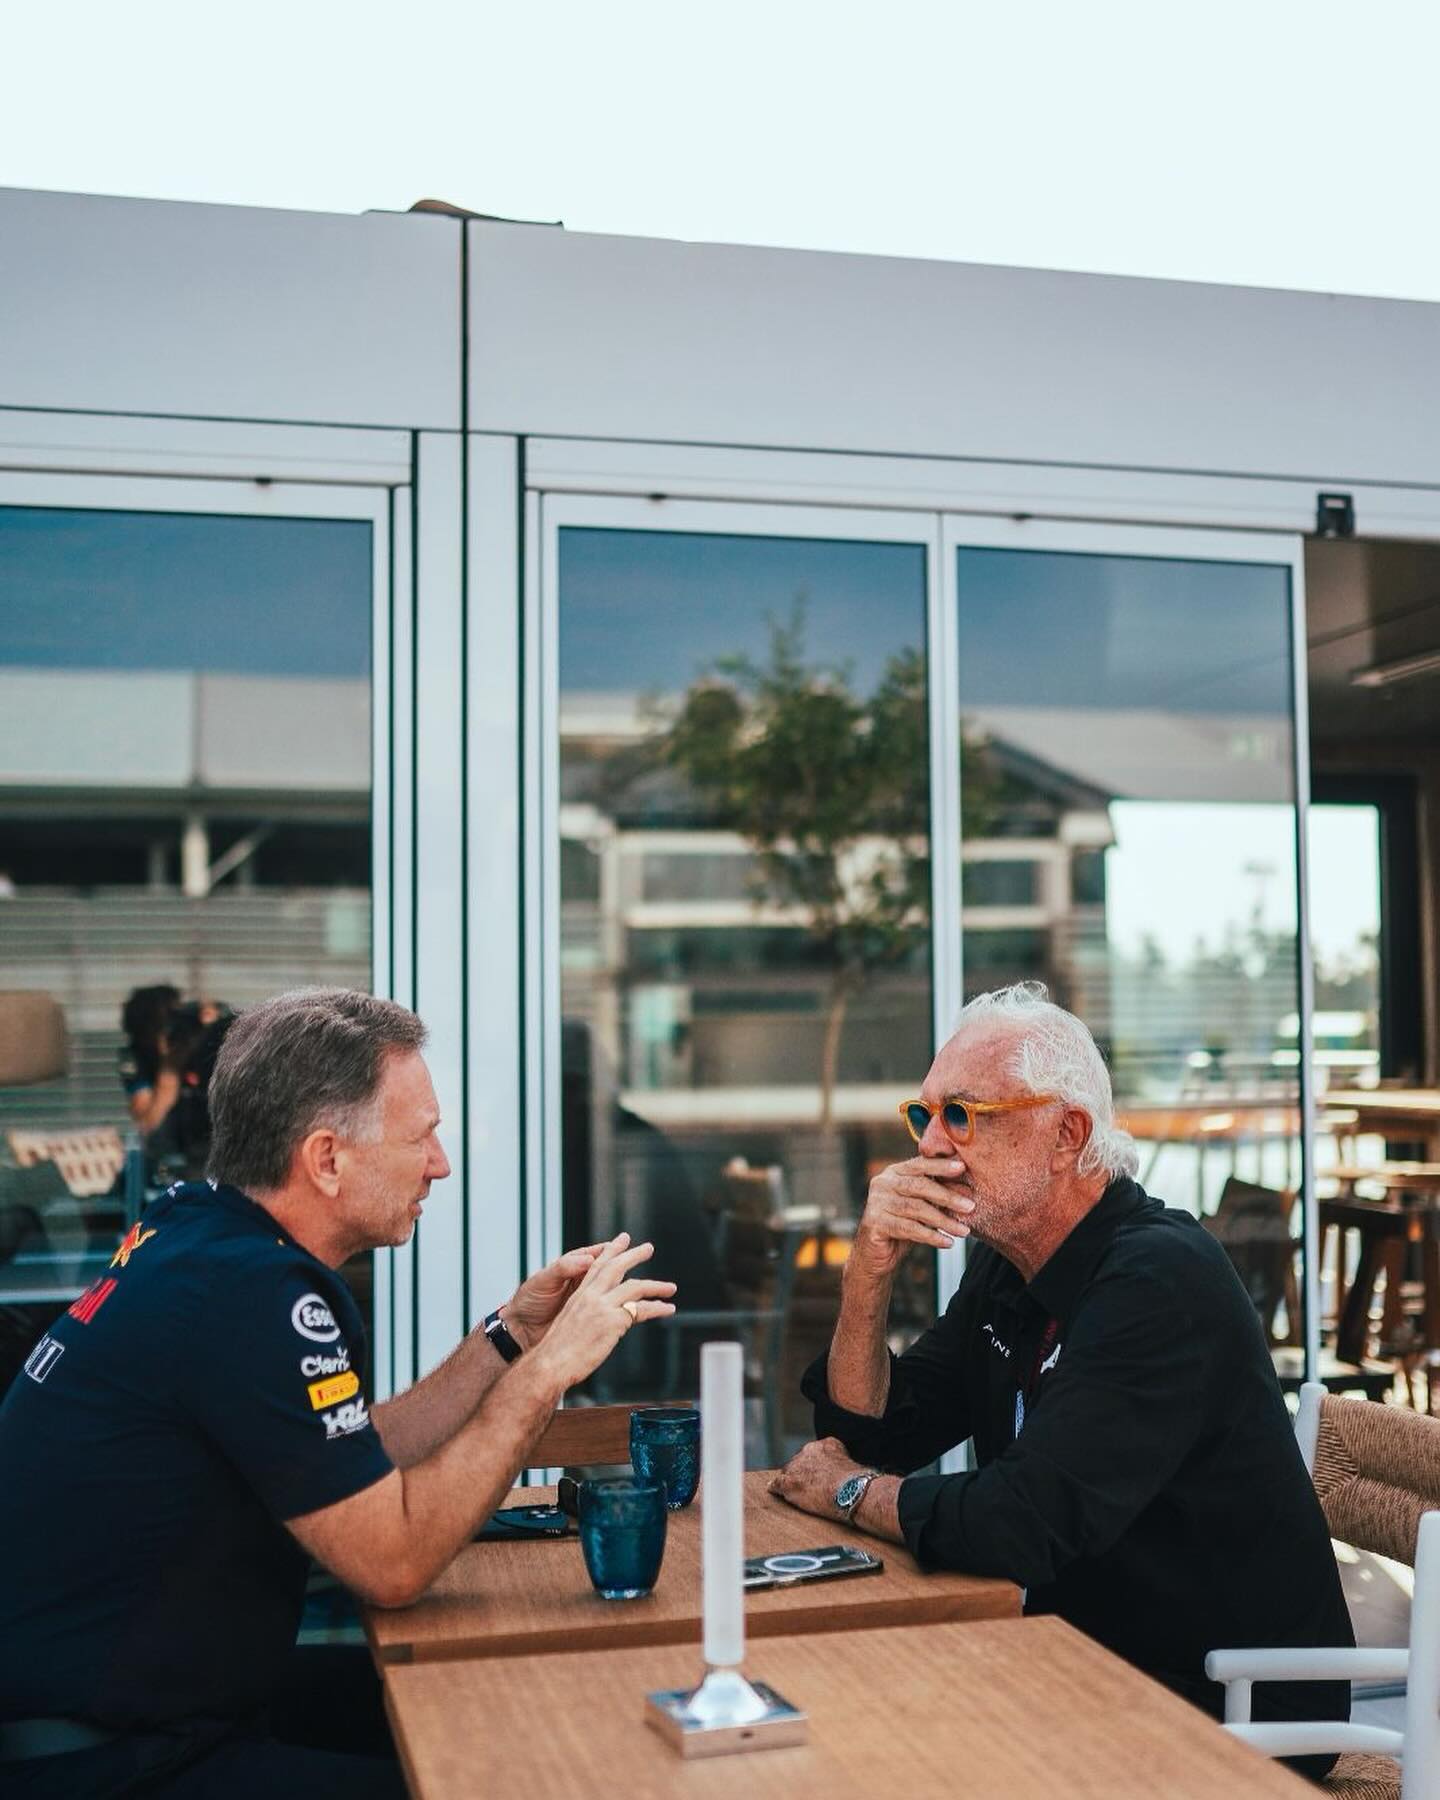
(498,1333)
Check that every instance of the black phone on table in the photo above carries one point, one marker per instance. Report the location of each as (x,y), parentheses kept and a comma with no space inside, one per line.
(792,1566)
(544,1521)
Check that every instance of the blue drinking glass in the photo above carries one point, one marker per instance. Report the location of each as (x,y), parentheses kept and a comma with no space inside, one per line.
(622,1533)
(665,1447)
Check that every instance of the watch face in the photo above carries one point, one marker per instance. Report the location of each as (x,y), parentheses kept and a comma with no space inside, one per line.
(849,1491)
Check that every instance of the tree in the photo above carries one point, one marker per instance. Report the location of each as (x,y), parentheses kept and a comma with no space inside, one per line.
(831,790)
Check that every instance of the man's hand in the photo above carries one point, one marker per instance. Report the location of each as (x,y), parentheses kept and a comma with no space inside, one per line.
(811,1476)
(537,1302)
(606,1303)
(912,1202)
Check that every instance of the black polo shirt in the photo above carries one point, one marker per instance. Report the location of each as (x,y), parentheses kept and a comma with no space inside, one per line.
(205,1389)
(1137,1470)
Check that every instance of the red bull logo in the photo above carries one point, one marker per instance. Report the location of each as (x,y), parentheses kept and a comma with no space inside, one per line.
(129,1244)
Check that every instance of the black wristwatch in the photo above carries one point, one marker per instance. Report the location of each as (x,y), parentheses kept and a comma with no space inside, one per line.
(498,1333)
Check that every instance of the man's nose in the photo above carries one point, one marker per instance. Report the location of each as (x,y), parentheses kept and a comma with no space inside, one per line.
(438,1166)
(936,1141)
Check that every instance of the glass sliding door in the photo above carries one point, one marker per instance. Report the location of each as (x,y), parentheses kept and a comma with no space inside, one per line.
(734,874)
(1131,777)
(186,743)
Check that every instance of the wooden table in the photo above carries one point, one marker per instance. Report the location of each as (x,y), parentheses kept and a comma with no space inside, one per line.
(1406,1115)
(1199,1125)
(1027,1709)
(1385,1229)
(513,1598)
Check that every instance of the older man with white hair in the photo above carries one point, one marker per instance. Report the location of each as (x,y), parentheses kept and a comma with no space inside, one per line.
(1136,1471)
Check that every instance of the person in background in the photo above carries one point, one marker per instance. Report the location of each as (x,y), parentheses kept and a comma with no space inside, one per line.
(150,1089)
(179,1145)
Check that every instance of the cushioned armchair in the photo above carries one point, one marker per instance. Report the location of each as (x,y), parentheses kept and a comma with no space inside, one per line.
(1377,1474)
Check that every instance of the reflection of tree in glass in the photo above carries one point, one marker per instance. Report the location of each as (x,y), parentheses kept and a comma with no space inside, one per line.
(831,789)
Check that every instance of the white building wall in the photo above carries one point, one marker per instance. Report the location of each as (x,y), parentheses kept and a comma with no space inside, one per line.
(573,335)
(228,312)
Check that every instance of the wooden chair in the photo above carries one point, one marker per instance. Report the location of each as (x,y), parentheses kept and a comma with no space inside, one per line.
(580,1435)
(1377,1474)
(1252,1224)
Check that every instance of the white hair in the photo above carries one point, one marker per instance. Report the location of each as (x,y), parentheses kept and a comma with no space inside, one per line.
(1054,1053)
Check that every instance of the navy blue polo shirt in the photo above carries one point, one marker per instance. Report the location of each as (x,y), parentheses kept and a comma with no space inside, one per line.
(204,1390)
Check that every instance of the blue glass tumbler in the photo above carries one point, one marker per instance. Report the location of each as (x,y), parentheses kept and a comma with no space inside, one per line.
(665,1447)
(622,1534)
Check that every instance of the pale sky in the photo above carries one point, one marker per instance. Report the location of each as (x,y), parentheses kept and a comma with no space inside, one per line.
(1180,874)
(1258,141)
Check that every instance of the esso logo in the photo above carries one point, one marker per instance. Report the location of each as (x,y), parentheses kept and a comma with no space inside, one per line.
(313,1319)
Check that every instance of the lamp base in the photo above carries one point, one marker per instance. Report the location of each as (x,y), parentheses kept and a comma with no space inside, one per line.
(724,1714)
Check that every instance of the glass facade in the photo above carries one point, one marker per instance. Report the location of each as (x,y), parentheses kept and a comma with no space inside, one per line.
(1139,755)
(185,746)
(745,935)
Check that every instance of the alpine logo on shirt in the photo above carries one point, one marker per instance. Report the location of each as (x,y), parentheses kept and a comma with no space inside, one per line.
(995,1343)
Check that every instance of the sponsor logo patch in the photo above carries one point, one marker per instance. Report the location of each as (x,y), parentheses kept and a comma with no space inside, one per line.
(313,1319)
(345,1419)
(85,1308)
(43,1358)
(311,1366)
(129,1244)
(995,1343)
(335,1387)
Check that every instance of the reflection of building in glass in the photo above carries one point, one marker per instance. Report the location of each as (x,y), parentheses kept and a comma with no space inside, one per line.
(710,1000)
(212,830)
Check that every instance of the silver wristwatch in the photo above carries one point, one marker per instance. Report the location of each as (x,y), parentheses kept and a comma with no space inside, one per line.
(851,1492)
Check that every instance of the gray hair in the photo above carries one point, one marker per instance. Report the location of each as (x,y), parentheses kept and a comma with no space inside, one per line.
(1055,1054)
(305,1060)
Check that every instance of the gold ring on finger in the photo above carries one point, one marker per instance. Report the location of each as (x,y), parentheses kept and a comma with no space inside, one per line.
(633,1308)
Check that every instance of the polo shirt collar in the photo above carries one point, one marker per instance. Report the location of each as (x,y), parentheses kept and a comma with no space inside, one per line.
(1059,1283)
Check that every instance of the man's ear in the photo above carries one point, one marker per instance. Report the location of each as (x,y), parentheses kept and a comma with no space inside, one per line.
(1076,1128)
(319,1162)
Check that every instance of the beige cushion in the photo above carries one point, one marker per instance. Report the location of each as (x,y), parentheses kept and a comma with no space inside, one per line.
(32,1039)
(1377,1471)
(1363,1777)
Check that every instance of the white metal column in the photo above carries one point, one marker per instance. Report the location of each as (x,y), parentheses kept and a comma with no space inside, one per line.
(439,936)
(495,1025)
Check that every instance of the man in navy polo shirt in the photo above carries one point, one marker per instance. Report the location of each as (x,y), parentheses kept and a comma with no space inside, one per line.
(195,1428)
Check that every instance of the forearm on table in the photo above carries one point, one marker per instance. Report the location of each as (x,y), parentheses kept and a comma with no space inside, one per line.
(879,1510)
(451,1492)
(858,1370)
(425,1417)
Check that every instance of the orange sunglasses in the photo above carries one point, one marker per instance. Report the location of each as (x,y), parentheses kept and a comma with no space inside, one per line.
(958,1116)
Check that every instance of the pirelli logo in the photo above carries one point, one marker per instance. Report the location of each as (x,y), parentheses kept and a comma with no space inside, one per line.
(333,1390)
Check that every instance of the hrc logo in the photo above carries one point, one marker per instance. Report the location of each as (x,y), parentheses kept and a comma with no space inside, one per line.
(129,1244)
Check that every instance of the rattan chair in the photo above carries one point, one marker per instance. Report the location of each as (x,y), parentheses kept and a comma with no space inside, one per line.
(1377,1474)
